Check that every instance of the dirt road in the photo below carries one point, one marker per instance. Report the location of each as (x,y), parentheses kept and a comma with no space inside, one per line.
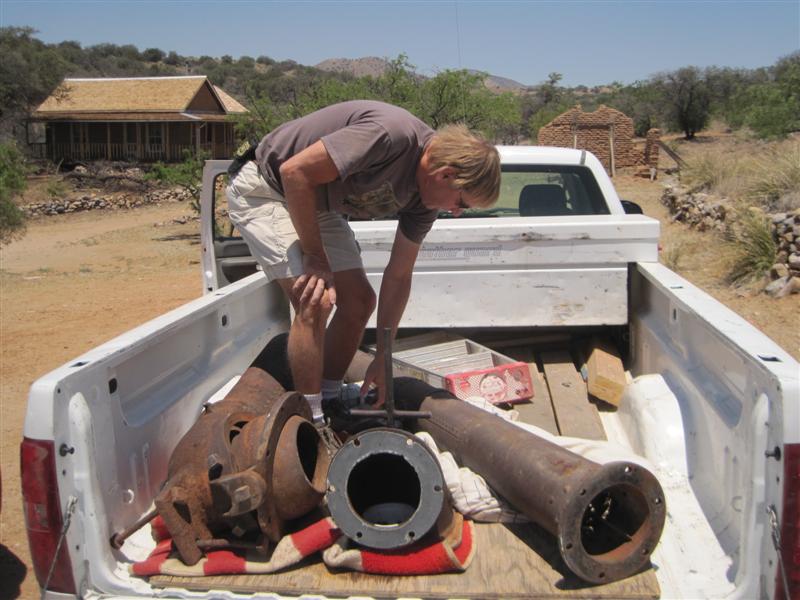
(70,284)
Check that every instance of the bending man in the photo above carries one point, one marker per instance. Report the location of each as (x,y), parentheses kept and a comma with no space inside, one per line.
(362,159)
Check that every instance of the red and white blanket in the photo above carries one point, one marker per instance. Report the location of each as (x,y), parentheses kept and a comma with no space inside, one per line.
(453,553)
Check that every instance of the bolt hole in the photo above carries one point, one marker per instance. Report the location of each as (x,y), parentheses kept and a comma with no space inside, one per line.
(112,385)
(569,546)
(657,501)
(359,534)
(224,320)
(601,575)
(356,443)
(583,492)
(411,535)
(437,488)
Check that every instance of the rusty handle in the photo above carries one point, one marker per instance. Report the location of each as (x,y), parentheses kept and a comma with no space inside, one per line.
(119,538)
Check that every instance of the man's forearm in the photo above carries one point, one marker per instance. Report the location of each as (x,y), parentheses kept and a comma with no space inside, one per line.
(391,305)
(301,202)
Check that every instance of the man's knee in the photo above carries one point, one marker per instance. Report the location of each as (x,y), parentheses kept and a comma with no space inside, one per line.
(357,304)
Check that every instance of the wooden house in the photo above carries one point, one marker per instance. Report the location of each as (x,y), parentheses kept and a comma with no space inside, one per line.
(134,118)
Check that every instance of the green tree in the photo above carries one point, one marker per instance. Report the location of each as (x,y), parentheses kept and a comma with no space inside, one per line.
(187,175)
(29,71)
(153,55)
(686,100)
(772,108)
(12,183)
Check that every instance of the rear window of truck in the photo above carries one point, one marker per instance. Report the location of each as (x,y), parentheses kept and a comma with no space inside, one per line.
(545,190)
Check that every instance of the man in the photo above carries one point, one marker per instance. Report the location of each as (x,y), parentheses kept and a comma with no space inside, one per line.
(362,159)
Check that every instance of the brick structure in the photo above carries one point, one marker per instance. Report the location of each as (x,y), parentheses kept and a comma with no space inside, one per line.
(651,148)
(600,132)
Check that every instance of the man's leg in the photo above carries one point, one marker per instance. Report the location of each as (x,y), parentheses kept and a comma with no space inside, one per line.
(306,338)
(354,305)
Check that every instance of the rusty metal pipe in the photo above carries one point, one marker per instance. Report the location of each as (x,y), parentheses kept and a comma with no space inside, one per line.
(607,518)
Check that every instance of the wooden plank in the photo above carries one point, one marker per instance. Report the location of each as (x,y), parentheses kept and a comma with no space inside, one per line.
(575,415)
(520,561)
(605,373)
(539,411)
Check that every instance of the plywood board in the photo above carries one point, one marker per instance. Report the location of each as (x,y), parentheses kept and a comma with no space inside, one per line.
(575,415)
(539,411)
(519,561)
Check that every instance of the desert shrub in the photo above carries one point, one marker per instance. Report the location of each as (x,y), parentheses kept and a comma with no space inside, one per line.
(707,171)
(12,183)
(775,180)
(187,175)
(56,189)
(754,245)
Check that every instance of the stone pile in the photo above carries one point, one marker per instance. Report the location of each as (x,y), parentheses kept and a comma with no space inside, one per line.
(108,201)
(696,209)
(705,212)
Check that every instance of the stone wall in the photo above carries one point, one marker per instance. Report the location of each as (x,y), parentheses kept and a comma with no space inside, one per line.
(594,131)
(99,201)
(706,212)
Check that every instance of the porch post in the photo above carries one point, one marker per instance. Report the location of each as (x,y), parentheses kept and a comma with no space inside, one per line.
(166,142)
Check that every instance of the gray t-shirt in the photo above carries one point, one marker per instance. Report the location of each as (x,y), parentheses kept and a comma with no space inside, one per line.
(376,148)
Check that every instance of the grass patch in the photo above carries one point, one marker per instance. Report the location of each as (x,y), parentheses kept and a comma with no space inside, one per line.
(775,182)
(56,189)
(755,248)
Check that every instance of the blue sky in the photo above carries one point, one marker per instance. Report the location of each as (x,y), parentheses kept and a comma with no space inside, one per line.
(589,42)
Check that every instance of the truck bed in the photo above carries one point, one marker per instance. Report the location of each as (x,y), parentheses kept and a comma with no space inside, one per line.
(514,561)
(511,561)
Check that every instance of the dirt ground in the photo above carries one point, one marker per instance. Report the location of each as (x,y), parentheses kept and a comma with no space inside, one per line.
(75,281)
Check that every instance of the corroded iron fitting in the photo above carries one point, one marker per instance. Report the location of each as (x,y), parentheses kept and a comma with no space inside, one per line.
(386,490)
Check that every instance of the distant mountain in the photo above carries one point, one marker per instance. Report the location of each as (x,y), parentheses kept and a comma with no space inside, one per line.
(502,84)
(360,67)
(374,67)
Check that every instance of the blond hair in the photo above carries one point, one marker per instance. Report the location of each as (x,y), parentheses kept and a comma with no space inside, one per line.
(475,160)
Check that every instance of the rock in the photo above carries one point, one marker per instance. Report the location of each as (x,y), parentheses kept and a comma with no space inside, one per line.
(794,260)
(776,286)
(779,270)
(777,218)
(792,287)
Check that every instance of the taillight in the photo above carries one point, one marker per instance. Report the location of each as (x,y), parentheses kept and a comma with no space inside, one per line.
(43,518)
(790,525)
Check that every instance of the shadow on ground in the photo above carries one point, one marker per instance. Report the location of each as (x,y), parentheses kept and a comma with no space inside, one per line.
(192,238)
(12,574)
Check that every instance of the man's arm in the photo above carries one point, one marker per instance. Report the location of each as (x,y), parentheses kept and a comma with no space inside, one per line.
(301,175)
(392,300)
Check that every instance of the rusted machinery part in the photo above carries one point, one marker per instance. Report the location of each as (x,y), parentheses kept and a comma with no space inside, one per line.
(257,449)
(607,518)
(118,539)
(386,489)
(254,392)
(301,466)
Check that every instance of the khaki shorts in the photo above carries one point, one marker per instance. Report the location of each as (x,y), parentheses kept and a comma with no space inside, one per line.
(259,213)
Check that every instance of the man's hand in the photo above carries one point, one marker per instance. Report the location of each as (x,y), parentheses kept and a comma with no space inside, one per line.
(318,268)
(375,375)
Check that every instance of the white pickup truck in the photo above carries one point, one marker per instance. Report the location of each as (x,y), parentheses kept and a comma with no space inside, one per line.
(713,403)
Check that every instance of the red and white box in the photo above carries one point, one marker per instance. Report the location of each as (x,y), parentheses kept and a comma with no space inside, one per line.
(506,383)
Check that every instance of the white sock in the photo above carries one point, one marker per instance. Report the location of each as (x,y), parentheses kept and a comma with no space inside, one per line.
(315,400)
(331,388)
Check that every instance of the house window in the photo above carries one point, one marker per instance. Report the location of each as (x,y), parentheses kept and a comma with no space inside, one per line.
(154,135)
